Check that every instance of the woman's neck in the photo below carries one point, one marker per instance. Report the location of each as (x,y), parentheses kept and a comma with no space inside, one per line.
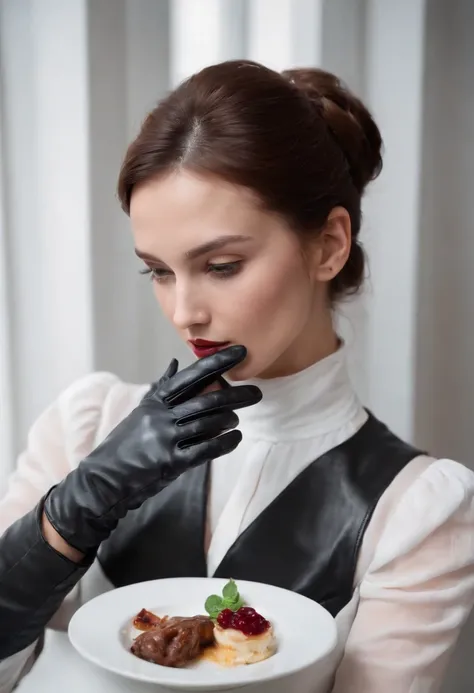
(317,341)
(312,402)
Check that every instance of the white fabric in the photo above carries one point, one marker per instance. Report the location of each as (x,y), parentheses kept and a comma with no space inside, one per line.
(299,418)
(415,579)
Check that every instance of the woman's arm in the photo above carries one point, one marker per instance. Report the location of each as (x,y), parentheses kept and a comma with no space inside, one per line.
(418,590)
(56,541)
(173,428)
(62,435)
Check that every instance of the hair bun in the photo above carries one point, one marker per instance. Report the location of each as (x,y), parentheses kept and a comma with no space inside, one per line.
(348,120)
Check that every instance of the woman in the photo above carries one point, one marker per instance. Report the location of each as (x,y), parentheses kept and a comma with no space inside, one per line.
(244,190)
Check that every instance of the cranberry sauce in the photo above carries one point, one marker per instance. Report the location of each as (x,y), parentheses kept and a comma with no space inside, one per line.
(246,619)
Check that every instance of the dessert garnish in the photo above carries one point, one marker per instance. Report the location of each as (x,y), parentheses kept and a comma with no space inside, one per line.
(245,619)
(230,600)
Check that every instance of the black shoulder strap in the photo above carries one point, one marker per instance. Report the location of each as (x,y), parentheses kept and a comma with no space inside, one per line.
(308,539)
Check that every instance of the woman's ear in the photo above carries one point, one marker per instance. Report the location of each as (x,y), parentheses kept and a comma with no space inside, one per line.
(333,245)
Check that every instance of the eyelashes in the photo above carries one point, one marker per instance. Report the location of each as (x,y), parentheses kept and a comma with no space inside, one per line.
(155,274)
(223,270)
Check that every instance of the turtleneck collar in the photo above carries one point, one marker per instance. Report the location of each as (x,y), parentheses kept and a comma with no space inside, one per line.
(315,401)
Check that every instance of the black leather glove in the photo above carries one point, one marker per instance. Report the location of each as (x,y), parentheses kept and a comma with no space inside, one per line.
(173,429)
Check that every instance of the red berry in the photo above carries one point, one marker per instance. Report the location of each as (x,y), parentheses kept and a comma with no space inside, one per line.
(225,618)
(246,611)
(247,620)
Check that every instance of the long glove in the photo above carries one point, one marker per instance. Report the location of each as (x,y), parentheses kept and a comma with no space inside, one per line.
(174,428)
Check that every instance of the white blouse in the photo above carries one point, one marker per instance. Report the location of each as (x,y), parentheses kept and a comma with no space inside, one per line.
(414,586)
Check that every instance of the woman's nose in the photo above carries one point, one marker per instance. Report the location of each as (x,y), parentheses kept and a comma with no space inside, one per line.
(189,309)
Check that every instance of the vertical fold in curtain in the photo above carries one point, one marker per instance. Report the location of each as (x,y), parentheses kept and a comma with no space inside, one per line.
(6,394)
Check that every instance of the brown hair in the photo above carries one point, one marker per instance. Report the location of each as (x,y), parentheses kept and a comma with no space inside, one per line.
(300,140)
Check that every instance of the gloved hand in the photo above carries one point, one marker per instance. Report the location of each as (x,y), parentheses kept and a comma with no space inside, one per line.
(175,427)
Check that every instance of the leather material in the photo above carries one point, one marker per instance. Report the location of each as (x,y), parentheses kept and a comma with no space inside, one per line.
(173,429)
(307,540)
(34,579)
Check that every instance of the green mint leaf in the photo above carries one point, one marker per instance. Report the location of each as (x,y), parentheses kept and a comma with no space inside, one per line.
(236,606)
(213,605)
(231,599)
(230,591)
(232,604)
(227,604)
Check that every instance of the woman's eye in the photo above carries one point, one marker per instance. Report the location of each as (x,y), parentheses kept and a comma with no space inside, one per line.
(225,269)
(222,270)
(156,273)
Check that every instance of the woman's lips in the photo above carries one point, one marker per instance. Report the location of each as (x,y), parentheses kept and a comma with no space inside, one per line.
(202,347)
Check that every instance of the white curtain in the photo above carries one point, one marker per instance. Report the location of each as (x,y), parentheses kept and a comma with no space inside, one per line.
(6,428)
(78,77)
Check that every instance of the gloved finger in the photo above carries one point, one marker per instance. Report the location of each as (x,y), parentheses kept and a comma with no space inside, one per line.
(209,450)
(170,371)
(236,397)
(207,428)
(196,377)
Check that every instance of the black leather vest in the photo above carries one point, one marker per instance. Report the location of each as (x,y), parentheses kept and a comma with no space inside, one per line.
(307,540)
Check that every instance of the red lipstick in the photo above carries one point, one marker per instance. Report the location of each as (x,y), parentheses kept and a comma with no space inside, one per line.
(202,347)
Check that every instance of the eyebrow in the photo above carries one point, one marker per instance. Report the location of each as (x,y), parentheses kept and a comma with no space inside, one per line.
(210,246)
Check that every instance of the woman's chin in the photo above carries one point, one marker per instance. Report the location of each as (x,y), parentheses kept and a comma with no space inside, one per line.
(236,375)
(244,371)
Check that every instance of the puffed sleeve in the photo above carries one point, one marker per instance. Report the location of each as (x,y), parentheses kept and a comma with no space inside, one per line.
(57,441)
(61,436)
(418,589)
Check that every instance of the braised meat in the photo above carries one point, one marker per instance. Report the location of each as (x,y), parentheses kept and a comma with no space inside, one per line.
(146,620)
(174,642)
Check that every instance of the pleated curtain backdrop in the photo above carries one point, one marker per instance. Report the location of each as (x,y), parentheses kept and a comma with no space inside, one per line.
(77,79)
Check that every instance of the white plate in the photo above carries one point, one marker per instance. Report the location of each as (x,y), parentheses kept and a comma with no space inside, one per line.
(102,631)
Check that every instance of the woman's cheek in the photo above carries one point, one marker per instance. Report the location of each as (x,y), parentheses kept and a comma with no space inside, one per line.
(165,300)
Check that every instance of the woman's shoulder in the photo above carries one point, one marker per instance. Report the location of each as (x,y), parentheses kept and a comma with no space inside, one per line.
(94,404)
(95,388)
(66,432)
(444,485)
(443,492)
(98,389)
(447,473)
(435,509)
(82,415)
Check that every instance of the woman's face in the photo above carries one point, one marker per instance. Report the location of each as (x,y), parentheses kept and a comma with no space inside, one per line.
(225,270)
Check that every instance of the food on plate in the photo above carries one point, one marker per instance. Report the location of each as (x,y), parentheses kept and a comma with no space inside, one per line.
(174,642)
(244,637)
(145,620)
(232,634)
